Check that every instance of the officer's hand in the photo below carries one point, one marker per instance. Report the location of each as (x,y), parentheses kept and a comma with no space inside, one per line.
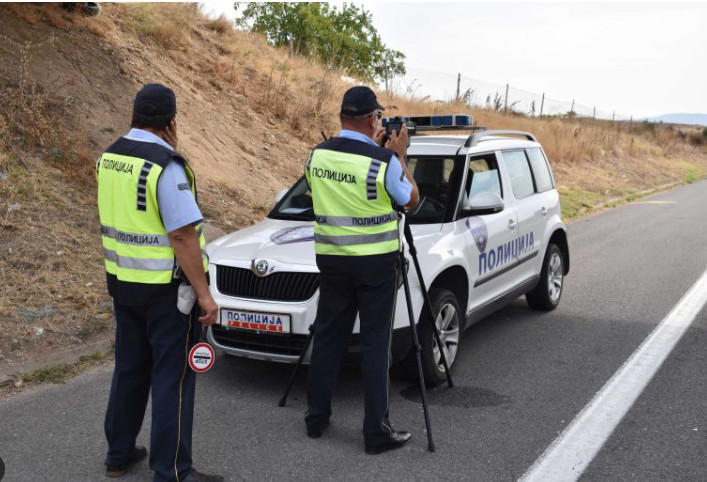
(209,309)
(170,134)
(399,142)
(379,136)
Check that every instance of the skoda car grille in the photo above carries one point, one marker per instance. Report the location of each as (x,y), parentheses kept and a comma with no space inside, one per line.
(281,286)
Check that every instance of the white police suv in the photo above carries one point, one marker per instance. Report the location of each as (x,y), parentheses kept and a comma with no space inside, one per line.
(487,230)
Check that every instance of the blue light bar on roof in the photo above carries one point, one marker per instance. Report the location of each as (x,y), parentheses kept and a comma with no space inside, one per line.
(434,121)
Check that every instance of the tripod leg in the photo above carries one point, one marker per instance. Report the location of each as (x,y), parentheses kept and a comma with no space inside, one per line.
(416,346)
(428,302)
(283,400)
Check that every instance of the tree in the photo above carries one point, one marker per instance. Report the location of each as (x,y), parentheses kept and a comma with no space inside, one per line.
(340,38)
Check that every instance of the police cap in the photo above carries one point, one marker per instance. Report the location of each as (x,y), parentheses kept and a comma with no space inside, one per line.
(358,101)
(155,101)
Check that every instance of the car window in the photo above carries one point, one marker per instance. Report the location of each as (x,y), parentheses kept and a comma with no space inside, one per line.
(483,176)
(541,171)
(519,172)
(432,175)
(296,205)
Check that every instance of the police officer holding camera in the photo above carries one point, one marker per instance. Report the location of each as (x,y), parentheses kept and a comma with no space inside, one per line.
(354,179)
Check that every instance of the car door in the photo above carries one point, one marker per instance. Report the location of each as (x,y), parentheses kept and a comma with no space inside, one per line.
(488,236)
(530,209)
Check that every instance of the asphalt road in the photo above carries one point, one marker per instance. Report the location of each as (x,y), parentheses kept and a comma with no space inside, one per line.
(521,378)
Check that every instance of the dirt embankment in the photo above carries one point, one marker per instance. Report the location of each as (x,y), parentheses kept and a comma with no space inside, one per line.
(248,114)
(67,85)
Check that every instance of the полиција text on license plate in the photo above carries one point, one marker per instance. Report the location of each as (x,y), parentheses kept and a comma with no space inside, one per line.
(255,321)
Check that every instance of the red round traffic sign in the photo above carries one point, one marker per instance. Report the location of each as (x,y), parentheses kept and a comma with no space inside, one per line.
(201,357)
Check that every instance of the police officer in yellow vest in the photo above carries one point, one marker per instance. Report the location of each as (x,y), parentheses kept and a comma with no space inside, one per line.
(151,234)
(354,181)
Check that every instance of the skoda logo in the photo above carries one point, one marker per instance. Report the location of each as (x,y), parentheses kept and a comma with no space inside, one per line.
(260,267)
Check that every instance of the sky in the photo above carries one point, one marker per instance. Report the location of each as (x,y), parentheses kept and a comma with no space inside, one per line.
(635,59)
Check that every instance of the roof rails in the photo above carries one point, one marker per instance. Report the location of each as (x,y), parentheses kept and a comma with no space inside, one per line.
(477,137)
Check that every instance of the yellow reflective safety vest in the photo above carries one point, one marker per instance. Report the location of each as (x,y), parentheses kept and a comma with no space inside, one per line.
(135,242)
(353,211)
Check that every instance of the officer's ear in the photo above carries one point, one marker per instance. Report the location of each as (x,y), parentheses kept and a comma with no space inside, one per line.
(373,120)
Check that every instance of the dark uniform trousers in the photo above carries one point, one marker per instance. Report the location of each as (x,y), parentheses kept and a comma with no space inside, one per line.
(151,348)
(369,288)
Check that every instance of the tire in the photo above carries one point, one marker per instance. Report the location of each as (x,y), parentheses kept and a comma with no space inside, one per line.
(90,9)
(547,294)
(444,303)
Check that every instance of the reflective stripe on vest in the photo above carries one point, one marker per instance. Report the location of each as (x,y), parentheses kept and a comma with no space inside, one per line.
(353,211)
(136,239)
(136,246)
(358,221)
(139,263)
(371,191)
(353,239)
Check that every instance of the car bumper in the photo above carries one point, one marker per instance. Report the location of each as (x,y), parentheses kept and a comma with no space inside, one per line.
(288,348)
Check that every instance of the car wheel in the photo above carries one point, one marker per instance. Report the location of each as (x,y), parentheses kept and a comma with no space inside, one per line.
(546,295)
(446,308)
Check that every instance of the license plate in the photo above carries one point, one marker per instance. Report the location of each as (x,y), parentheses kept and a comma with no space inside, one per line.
(255,321)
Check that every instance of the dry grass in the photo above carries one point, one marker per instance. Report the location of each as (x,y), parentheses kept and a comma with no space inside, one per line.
(296,90)
(220,25)
(568,140)
(50,267)
(53,282)
(29,123)
(169,25)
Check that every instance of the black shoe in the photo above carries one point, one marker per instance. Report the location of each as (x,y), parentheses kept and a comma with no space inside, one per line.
(196,476)
(138,453)
(395,441)
(317,431)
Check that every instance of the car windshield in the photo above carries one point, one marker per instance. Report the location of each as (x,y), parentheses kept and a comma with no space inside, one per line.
(435,180)
(296,205)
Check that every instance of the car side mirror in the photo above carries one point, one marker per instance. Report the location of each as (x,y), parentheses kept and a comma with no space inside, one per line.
(482,203)
(280,195)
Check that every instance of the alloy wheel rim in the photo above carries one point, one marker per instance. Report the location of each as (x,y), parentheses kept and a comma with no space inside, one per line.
(448,325)
(555,277)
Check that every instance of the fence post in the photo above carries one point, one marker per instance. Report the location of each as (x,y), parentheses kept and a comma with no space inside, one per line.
(572,108)
(613,116)
(459,79)
(542,104)
(505,108)
(594,113)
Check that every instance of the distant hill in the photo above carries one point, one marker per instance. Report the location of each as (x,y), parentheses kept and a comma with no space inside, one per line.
(690,119)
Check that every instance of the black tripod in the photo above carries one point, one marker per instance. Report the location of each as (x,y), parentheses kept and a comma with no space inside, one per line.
(413,330)
(413,327)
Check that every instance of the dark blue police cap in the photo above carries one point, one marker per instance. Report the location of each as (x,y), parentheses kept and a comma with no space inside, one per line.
(359,100)
(155,100)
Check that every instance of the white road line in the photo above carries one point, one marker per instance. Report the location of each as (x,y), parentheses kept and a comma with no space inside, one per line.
(570,454)
(655,202)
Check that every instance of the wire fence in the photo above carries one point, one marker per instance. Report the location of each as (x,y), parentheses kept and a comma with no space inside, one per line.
(445,87)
